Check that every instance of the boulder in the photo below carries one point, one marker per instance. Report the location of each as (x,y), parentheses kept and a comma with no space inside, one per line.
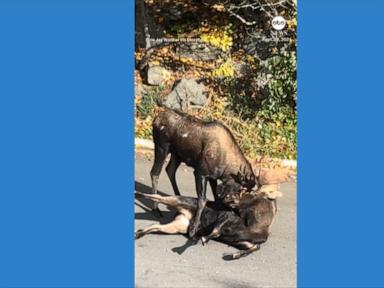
(198,51)
(241,68)
(186,93)
(156,75)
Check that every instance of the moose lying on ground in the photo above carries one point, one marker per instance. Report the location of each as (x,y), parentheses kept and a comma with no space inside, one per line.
(245,226)
(208,147)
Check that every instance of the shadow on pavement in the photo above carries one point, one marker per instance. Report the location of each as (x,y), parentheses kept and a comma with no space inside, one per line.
(143,188)
(149,214)
(167,216)
(146,205)
(181,249)
(229,283)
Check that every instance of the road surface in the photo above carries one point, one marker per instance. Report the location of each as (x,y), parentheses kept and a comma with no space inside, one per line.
(161,262)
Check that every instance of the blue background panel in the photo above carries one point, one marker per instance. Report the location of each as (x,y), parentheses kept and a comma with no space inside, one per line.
(340,80)
(66,158)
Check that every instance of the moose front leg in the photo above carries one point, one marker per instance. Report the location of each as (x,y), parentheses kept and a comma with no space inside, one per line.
(201,189)
(216,231)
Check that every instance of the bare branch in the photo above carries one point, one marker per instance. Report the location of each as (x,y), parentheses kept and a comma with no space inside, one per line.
(268,8)
(242,19)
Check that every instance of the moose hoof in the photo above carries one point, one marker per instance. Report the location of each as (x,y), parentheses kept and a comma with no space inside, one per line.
(139,234)
(228,256)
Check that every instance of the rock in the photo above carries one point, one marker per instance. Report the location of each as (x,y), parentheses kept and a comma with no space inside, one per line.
(241,68)
(198,51)
(138,90)
(186,93)
(157,75)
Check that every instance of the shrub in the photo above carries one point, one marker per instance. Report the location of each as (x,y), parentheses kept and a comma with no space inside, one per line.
(277,114)
(145,110)
(282,87)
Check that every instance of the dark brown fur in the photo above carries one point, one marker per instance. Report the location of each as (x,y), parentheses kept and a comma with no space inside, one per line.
(208,147)
(245,230)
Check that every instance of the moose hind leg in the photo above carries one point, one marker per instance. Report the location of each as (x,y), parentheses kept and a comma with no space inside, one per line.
(160,156)
(179,225)
(171,168)
(216,231)
(246,249)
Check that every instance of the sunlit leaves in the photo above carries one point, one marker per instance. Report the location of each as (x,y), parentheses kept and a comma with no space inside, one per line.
(220,38)
(224,70)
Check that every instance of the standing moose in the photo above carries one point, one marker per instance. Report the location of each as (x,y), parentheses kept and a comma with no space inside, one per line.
(208,147)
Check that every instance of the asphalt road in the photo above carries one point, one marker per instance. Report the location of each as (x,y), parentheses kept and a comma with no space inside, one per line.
(160,261)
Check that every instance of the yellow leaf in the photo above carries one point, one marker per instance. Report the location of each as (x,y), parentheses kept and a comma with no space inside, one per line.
(218,7)
(155,62)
